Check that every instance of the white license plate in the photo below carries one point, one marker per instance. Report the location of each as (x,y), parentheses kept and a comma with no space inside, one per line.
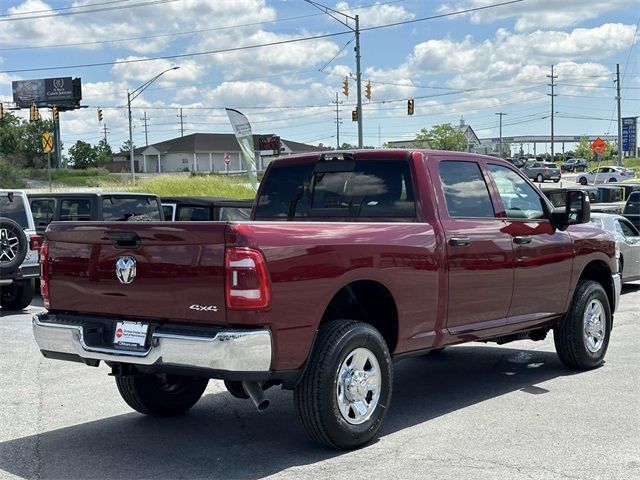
(130,334)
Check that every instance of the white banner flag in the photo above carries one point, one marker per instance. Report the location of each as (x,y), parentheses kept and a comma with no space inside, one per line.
(242,129)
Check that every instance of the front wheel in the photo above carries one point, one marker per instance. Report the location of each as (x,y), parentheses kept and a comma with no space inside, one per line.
(17,295)
(612,179)
(582,338)
(160,395)
(583,180)
(343,397)
(539,178)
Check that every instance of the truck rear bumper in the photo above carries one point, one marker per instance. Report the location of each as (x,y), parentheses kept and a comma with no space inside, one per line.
(224,351)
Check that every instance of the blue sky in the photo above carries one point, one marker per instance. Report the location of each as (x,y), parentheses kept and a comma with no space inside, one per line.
(471,65)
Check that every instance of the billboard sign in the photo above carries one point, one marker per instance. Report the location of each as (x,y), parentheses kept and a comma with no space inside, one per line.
(269,145)
(63,91)
(629,134)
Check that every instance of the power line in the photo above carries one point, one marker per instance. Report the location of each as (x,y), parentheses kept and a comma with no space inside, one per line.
(12,18)
(31,12)
(247,47)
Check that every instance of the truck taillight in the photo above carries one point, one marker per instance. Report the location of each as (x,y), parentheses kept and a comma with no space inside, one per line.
(247,280)
(35,242)
(44,273)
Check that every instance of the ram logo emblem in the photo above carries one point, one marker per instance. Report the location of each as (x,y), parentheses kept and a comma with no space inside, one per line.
(126,269)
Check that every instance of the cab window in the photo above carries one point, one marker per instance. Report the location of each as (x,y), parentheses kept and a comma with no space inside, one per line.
(520,200)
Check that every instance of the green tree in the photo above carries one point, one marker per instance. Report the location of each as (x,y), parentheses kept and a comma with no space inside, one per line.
(125,146)
(30,153)
(583,150)
(610,150)
(9,135)
(441,137)
(104,154)
(83,155)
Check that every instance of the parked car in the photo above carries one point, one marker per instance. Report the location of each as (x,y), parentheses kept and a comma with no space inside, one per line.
(610,193)
(629,187)
(557,197)
(628,240)
(541,171)
(205,209)
(604,175)
(575,165)
(87,206)
(354,258)
(632,209)
(517,162)
(19,245)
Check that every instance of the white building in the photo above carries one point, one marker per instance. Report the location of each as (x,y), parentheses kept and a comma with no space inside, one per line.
(199,152)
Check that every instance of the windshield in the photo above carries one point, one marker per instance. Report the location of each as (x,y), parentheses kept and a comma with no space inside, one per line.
(130,209)
(13,207)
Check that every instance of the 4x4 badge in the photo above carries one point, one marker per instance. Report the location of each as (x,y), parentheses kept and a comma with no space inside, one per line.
(126,269)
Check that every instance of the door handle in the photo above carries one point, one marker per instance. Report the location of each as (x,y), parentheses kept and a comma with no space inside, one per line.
(522,240)
(459,241)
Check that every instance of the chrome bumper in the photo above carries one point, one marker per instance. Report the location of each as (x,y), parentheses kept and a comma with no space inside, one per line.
(617,288)
(231,351)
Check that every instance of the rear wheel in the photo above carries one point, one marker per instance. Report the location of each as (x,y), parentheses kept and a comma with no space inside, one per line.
(583,180)
(17,295)
(160,395)
(582,338)
(344,395)
(613,179)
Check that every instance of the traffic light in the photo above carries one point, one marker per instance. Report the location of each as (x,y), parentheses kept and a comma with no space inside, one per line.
(34,113)
(345,86)
(367,91)
(410,105)
(55,113)
(99,115)
(354,115)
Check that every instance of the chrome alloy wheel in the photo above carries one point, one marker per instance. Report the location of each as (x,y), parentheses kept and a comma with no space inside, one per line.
(594,326)
(359,385)
(9,245)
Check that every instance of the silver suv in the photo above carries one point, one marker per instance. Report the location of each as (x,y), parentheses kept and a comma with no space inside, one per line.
(19,256)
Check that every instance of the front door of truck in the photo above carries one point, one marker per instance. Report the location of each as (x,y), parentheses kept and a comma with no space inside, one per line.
(544,256)
(479,252)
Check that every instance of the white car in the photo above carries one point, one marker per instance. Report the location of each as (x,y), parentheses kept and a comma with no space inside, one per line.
(606,174)
(627,241)
(19,251)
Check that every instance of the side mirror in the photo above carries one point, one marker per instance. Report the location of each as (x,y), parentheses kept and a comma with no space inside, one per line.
(576,209)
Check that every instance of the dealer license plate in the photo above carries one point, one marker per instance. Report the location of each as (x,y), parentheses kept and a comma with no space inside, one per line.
(130,334)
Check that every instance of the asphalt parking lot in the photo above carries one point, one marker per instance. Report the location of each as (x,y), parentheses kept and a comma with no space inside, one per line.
(475,411)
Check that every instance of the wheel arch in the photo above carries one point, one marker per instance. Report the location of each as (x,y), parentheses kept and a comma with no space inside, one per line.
(368,301)
(599,271)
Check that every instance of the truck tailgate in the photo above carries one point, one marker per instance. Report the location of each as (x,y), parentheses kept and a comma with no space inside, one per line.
(179,270)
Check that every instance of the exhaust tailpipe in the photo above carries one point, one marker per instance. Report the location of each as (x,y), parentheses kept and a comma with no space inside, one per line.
(256,394)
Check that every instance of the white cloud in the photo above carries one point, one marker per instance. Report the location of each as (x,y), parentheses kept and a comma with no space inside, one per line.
(538,13)
(376,14)
(189,71)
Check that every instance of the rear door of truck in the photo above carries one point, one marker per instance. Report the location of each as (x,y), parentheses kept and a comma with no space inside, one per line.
(143,270)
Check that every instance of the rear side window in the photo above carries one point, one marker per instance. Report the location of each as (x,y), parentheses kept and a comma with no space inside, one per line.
(130,209)
(14,208)
(75,210)
(465,190)
(234,213)
(43,210)
(368,189)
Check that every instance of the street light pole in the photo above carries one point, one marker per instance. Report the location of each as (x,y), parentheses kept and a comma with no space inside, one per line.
(131,96)
(501,115)
(332,13)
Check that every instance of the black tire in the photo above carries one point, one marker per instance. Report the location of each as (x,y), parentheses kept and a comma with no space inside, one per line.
(316,395)
(556,180)
(17,295)
(236,389)
(612,179)
(160,396)
(539,178)
(571,335)
(583,180)
(13,246)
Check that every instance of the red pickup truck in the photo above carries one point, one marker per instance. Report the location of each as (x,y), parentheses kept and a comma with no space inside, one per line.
(353,259)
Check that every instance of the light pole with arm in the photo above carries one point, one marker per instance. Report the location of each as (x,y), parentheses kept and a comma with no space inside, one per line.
(131,96)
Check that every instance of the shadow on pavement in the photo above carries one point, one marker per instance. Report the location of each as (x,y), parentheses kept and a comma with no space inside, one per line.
(224,437)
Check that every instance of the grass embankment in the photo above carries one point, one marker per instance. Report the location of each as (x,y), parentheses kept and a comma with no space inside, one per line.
(91,177)
(201,185)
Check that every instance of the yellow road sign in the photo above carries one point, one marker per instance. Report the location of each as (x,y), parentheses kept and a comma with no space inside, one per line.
(47,142)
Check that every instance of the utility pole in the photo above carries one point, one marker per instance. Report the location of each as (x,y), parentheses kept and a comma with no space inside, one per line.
(333,14)
(501,115)
(181,123)
(146,132)
(618,98)
(552,95)
(104,129)
(338,122)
